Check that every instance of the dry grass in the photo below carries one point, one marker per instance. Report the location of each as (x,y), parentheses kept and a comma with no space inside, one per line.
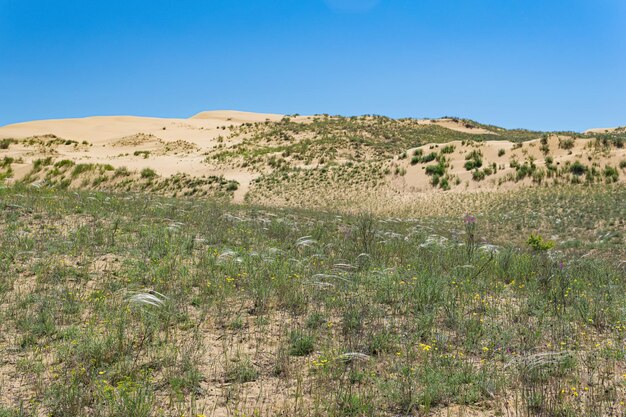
(117,305)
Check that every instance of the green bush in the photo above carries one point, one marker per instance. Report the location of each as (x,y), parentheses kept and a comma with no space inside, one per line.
(7,161)
(40,163)
(148,173)
(566,144)
(537,243)
(577,168)
(145,154)
(470,165)
(438,169)
(447,149)
(474,160)
(611,174)
(478,175)
(5,143)
(428,158)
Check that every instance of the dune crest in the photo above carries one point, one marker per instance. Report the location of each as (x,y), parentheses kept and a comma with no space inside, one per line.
(236,116)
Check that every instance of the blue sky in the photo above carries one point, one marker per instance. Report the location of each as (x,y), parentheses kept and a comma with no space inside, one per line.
(541,64)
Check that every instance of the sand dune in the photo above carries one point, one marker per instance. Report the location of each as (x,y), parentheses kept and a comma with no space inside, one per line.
(192,147)
(104,128)
(605,129)
(173,145)
(198,128)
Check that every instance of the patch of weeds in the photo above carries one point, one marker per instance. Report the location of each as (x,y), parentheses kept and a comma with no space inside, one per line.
(301,343)
(241,370)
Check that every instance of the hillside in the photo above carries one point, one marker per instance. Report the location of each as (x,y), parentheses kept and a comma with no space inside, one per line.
(303,160)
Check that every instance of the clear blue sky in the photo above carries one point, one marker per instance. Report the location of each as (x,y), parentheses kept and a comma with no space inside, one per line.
(542,64)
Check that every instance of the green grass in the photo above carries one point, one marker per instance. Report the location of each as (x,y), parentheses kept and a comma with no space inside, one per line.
(131,304)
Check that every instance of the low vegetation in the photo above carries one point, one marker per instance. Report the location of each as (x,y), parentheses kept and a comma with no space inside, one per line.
(138,305)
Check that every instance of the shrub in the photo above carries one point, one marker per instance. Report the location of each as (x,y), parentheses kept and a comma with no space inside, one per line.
(538,175)
(444,184)
(577,168)
(438,169)
(537,243)
(5,143)
(501,152)
(7,161)
(474,160)
(470,165)
(566,144)
(148,173)
(145,154)
(40,163)
(611,174)
(478,175)
(428,158)
(447,149)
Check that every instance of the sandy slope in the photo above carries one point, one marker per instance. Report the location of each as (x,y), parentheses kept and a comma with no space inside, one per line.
(98,129)
(414,181)
(175,145)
